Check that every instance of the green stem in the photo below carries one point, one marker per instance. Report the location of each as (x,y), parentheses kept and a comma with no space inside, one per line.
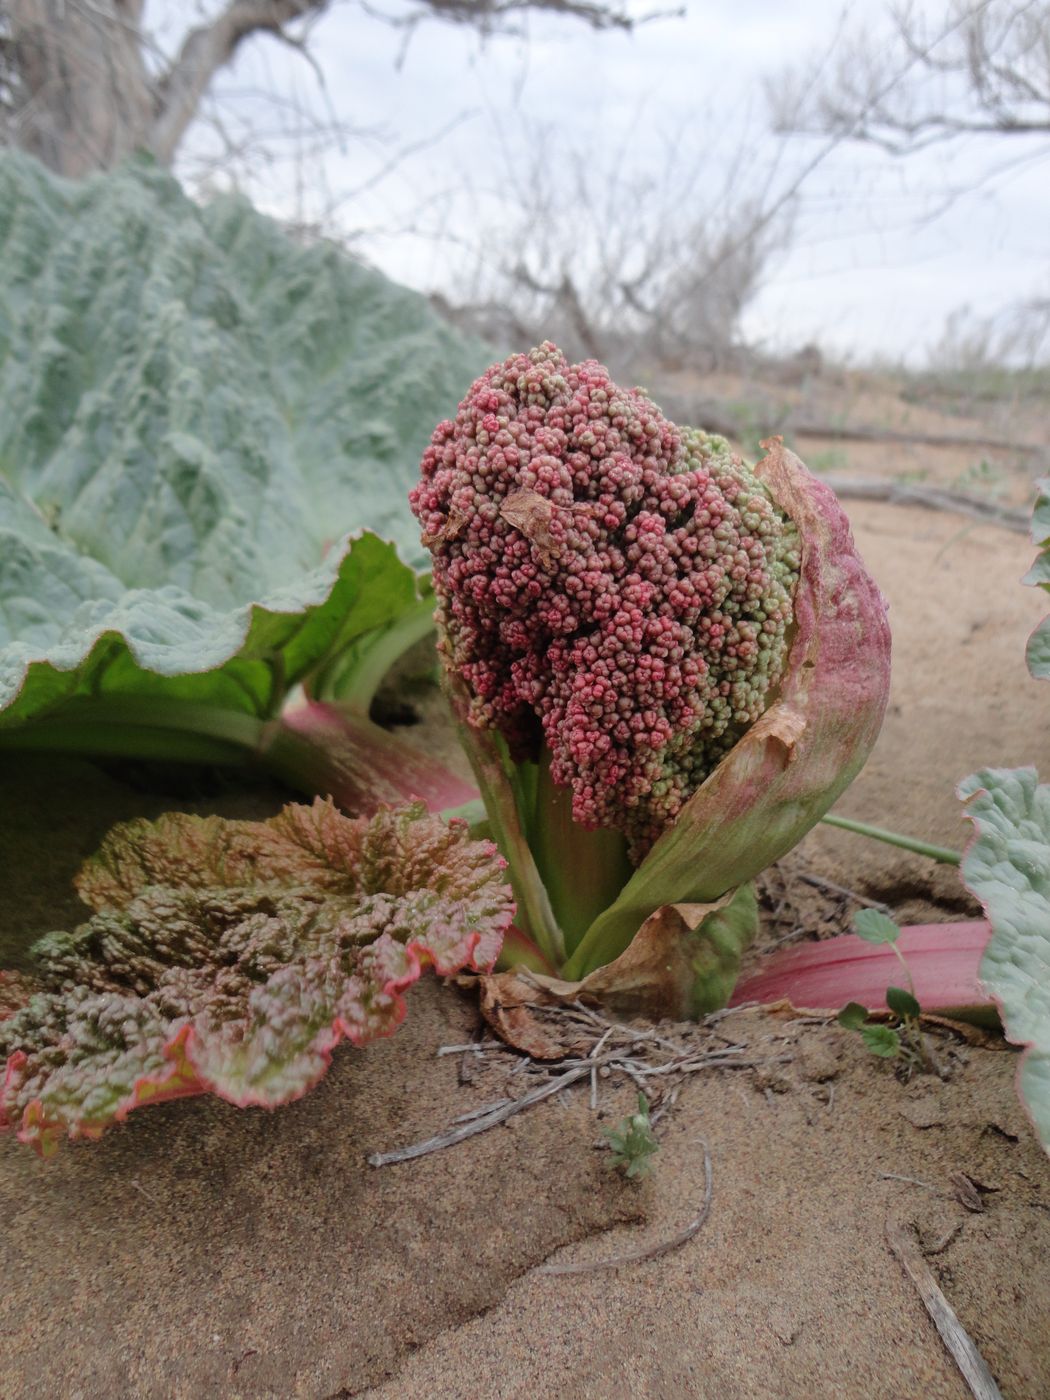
(354,677)
(582,871)
(894,838)
(507,827)
(122,741)
(144,728)
(907,970)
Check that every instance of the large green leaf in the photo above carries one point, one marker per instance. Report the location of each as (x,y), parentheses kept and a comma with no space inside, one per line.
(197,413)
(1008,869)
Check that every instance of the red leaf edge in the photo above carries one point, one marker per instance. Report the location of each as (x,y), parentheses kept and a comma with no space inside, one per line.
(184,1079)
(178,1081)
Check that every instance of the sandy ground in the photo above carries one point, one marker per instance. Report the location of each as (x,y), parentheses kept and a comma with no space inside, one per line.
(201,1251)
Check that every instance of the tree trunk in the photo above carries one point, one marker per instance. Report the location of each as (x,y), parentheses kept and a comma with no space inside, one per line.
(86,99)
(88,102)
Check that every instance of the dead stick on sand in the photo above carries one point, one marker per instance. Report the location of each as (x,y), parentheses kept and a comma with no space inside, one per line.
(491,1115)
(488,1120)
(717,422)
(907,493)
(818,882)
(904,1243)
(646,1252)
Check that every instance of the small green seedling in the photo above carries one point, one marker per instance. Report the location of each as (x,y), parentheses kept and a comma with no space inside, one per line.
(880,1040)
(633,1142)
(905,1041)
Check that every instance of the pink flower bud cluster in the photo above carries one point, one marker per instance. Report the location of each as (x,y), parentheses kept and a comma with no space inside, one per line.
(609,585)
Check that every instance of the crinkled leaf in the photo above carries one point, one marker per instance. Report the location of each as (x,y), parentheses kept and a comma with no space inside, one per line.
(233,956)
(1007,866)
(15,991)
(197,413)
(1039,575)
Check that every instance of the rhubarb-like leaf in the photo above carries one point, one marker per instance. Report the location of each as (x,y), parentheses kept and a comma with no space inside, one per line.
(198,412)
(1039,576)
(233,956)
(1007,866)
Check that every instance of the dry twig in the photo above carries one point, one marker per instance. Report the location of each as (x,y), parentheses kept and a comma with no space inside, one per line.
(904,1243)
(498,1114)
(910,1180)
(820,883)
(650,1251)
(908,493)
(645,1056)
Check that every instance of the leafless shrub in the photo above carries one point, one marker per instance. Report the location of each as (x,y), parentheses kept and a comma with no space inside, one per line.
(633,263)
(907,77)
(1017,338)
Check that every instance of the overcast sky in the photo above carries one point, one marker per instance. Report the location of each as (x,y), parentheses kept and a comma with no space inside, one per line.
(870,271)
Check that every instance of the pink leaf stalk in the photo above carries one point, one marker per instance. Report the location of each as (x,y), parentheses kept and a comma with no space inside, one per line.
(336,751)
(943,960)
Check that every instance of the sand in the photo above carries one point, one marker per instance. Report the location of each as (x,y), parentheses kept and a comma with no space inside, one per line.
(200,1251)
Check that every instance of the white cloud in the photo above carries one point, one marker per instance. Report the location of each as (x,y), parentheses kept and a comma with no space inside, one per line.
(871,272)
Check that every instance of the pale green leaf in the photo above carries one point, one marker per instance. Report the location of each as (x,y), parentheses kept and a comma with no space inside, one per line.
(1008,868)
(875,927)
(852,1016)
(198,414)
(881,1041)
(1038,653)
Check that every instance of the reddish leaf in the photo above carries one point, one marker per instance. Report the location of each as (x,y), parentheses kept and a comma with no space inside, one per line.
(234,956)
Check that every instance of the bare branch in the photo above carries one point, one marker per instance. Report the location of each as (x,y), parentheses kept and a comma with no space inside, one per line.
(634,265)
(205,50)
(983,70)
(76,90)
(492,16)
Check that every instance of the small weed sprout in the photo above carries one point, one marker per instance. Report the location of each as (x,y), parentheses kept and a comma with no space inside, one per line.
(904,1042)
(633,1142)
